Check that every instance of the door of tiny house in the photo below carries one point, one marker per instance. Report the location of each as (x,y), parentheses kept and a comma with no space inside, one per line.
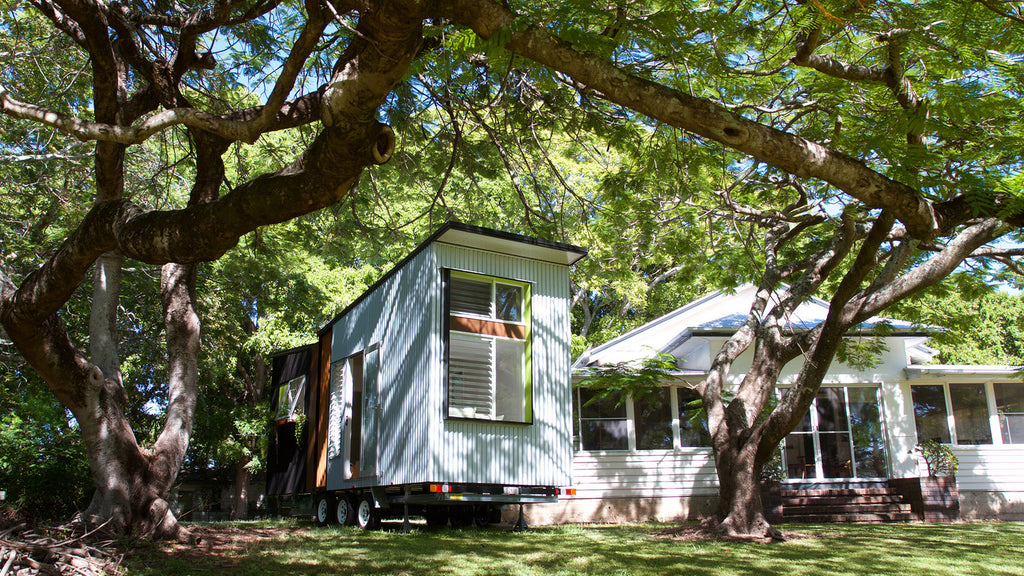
(371,411)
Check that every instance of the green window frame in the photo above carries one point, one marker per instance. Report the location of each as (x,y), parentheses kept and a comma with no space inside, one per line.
(487,348)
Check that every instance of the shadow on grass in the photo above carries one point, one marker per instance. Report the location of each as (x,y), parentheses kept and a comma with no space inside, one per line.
(898,549)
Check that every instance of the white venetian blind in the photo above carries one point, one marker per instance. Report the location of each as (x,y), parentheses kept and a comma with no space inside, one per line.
(470,376)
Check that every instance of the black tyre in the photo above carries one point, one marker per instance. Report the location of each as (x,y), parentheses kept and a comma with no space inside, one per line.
(322,509)
(344,512)
(367,515)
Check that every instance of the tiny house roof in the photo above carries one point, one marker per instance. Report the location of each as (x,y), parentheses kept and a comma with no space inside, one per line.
(480,238)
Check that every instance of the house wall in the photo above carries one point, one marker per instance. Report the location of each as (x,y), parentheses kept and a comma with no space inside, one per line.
(398,316)
(990,477)
(537,454)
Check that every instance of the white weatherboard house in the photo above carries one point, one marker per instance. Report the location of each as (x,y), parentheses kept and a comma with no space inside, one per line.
(648,460)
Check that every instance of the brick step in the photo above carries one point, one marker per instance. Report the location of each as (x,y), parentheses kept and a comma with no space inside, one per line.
(824,500)
(860,518)
(847,492)
(846,509)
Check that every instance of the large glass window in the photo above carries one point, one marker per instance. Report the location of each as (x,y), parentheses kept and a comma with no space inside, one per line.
(1010,407)
(653,417)
(930,413)
(602,422)
(970,413)
(839,437)
(489,374)
(693,423)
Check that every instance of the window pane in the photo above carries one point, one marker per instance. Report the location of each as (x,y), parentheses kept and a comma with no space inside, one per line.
(470,296)
(510,385)
(836,460)
(1010,405)
(470,362)
(602,422)
(604,435)
(866,427)
(970,413)
(603,408)
(653,416)
(693,424)
(508,302)
(800,455)
(831,410)
(930,414)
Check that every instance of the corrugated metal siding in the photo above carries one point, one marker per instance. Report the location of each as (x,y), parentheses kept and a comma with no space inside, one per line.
(534,454)
(398,315)
(645,474)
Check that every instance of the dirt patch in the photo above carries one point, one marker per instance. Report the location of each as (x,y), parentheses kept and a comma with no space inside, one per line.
(226,546)
(702,533)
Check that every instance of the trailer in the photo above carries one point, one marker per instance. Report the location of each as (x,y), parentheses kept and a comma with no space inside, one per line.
(444,391)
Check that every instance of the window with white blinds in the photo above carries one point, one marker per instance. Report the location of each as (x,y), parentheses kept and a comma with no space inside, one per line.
(488,348)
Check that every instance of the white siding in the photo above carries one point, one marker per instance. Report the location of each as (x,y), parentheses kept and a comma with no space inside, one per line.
(645,474)
(991,468)
(520,454)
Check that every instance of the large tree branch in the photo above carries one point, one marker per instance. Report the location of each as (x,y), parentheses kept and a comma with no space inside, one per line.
(792,153)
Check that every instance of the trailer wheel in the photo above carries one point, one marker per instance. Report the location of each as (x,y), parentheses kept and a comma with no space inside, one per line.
(367,516)
(482,515)
(436,516)
(322,513)
(344,512)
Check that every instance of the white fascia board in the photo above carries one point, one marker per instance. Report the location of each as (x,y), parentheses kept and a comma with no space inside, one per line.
(962,370)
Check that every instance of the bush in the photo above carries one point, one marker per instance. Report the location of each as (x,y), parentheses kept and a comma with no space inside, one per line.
(939,457)
(43,469)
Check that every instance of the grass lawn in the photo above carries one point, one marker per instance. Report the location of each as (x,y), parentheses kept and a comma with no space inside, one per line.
(983,548)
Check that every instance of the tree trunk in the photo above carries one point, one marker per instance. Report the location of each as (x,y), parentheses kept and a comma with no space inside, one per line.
(740,510)
(240,510)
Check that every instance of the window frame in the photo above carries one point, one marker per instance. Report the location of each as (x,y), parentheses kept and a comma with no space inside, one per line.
(991,417)
(490,328)
(632,430)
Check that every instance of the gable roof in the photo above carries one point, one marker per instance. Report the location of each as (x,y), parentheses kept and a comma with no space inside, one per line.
(721,313)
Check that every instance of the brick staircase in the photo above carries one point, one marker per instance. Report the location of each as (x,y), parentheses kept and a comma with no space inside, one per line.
(854,501)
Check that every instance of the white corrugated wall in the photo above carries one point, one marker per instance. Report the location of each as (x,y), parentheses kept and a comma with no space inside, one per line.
(398,316)
(539,453)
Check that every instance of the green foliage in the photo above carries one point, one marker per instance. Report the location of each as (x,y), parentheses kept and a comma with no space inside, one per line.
(975,325)
(864,352)
(940,458)
(636,380)
(43,467)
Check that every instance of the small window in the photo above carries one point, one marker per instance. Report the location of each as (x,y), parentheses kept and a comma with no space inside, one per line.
(693,423)
(1010,407)
(653,415)
(488,348)
(970,413)
(930,413)
(290,396)
(602,422)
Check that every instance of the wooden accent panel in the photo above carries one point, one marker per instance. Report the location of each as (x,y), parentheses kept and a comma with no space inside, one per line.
(312,432)
(488,327)
(323,412)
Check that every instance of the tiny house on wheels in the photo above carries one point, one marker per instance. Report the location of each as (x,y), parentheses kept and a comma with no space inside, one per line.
(443,391)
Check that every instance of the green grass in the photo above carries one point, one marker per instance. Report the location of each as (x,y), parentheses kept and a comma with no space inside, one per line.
(985,549)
